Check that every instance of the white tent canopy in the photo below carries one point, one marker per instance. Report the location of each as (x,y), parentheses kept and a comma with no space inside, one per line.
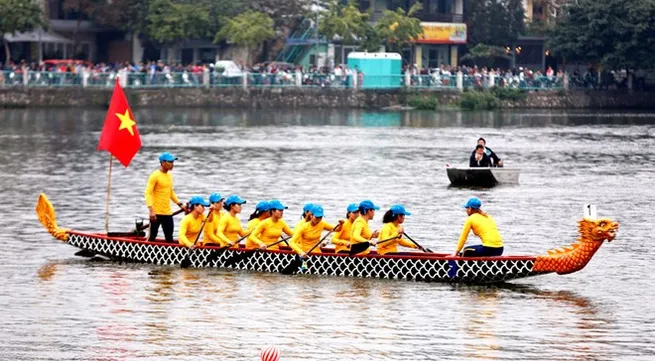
(37,36)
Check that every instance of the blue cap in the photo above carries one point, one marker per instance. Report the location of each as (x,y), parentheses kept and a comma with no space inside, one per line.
(307,207)
(234,199)
(215,197)
(198,200)
(352,207)
(317,211)
(398,209)
(263,206)
(167,157)
(277,205)
(366,205)
(474,203)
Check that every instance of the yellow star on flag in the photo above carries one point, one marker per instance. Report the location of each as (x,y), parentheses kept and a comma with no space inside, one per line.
(126,121)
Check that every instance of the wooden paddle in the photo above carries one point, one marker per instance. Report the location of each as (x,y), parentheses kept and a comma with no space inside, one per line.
(426,250)
(292,267)
(186,262)
(246,254)
(213,256)
(363,246)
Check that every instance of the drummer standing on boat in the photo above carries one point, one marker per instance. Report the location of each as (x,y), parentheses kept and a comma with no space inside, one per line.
(159,192)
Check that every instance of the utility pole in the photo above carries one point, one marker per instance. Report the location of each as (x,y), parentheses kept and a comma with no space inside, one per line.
(316,38)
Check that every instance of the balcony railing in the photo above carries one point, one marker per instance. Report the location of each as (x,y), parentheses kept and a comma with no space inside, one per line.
(440,17)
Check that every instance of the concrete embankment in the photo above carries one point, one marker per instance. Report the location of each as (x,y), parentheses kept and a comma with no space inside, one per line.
(21,97)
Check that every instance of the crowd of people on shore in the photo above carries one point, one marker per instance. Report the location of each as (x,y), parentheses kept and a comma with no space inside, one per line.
(353,235)
(277,73)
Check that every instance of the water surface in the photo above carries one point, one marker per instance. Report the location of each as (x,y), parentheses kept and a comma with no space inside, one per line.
(55,306)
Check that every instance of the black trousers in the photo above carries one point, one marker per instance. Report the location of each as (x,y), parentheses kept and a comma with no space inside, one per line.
(166,222)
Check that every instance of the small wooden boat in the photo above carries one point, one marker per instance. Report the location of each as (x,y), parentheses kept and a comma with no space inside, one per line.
(482,177)
(415,266)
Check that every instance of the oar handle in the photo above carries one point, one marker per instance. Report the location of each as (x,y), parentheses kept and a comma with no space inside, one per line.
(277,242)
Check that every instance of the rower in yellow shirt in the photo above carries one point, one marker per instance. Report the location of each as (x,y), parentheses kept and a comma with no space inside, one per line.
(210,234)
(269,230)
(159,193)
(262,211)
(342,238)
(229,227)
(192,223)
(361,232)
(484,227)
(392,228)
(309,234)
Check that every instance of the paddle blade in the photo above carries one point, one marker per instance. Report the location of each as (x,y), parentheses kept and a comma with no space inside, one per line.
(186,262)
(46,213)
(85,253)
(358,248)
(292,267)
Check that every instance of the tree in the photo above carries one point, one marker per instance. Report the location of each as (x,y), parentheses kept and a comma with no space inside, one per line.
(169,22)
(345,21)
(494,22)
(250,29)
(399,28)
(18,16)
(612,33)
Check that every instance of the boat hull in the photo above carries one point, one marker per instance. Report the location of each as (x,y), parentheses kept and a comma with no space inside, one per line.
(407,266)
(482,177)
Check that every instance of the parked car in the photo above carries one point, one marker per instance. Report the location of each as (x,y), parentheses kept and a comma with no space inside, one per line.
(228,68)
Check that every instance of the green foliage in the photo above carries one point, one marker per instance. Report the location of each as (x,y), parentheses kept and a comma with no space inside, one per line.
(18,16)
(613,33)
(478,100)
(346,21)
(485,55)
(399,28)
(170,22)
(250,29)
(423,101)
(494,22)
(512,94)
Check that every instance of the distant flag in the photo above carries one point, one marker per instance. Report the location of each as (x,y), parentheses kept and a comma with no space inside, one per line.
(120,136)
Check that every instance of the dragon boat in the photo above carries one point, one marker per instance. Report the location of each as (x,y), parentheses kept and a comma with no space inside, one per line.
(413,266)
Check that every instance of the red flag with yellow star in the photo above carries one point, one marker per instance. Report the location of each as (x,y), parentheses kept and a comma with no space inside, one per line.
(119,136)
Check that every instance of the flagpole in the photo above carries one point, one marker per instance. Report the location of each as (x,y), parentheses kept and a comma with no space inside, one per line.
(111,158)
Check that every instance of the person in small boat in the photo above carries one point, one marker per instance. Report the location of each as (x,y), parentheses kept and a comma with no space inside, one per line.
(192,223)
(305,217)
(159,193)
(361,232)
(482,226)
(495,160)
(229,227)
(392,227)
(210,233)
(309,233)
(262,211)
(342,238)
(269,230)
(479,158)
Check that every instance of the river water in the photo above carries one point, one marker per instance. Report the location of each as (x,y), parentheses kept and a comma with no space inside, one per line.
(55,306)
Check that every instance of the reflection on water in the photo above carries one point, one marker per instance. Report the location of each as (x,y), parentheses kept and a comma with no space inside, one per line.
(77,308)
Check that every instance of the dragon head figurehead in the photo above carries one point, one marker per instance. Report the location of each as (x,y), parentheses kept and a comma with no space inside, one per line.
(597,230)
(593,232)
